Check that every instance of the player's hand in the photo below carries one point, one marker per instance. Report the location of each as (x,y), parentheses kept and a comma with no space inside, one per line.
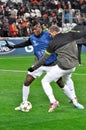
(30,69)
(8,45)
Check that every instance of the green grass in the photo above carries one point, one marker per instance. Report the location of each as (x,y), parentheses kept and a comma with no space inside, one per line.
(65,117)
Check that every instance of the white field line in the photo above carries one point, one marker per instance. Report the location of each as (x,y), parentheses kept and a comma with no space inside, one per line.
(17,71)
(22,71)
(3,58)
(79,74)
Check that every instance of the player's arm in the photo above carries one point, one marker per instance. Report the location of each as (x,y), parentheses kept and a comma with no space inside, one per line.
(20,45)
(50,49)
(40,62)
(79,31)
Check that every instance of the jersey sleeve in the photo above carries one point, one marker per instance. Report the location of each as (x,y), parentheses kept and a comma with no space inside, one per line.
(79,31)
(42,60)
(23,44)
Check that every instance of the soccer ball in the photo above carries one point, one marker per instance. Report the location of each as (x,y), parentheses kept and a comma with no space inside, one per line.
(25,106)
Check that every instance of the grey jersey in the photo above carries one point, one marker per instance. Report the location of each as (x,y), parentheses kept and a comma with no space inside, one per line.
(67,56)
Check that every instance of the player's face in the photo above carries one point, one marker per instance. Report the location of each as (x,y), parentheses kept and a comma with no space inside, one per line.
(52,33)
(37,30)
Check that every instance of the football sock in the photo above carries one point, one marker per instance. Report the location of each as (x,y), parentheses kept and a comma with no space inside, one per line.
(68,92)
(25,92)
(74,101)
(70,84)
(70,95)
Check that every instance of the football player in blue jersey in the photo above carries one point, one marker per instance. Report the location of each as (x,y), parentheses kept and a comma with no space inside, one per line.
(39,40)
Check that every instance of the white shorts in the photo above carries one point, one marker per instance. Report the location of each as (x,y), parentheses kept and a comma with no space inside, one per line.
(56,72)
(38,72)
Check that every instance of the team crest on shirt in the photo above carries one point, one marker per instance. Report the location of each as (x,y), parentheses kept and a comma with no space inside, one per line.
(35,43)
(4,49)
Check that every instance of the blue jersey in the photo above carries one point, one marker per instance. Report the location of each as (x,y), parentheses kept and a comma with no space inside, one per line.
(40,44)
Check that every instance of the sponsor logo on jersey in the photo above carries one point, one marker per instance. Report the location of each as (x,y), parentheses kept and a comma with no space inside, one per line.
(29,49)
(35,43)
(4,49)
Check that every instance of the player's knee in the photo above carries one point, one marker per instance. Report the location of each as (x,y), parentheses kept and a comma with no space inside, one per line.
(60,83)
(29,80)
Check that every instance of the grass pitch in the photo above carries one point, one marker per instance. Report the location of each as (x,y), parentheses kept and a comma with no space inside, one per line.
(13,70)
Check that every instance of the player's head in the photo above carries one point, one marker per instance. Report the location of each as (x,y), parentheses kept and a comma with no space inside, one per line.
(36,28)
(54,30)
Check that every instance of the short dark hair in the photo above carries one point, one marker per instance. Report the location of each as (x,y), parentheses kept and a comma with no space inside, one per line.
(35,23)
(54,28)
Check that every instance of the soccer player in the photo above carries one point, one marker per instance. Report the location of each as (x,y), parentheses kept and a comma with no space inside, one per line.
(39,40)
(64,45)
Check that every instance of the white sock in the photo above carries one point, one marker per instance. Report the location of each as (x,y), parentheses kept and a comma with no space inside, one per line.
(48,90)
(70,84)
(68,92)
(25,92)
(75,101)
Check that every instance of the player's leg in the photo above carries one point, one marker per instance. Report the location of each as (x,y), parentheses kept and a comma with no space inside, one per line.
(54,75)
(70,84)
(49,77)
(67,73)
(60,83)
(49,92)
(68,87)
(72,95)
(26,87)
(30,77)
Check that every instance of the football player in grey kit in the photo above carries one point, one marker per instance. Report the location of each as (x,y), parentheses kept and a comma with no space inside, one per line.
(64,45)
